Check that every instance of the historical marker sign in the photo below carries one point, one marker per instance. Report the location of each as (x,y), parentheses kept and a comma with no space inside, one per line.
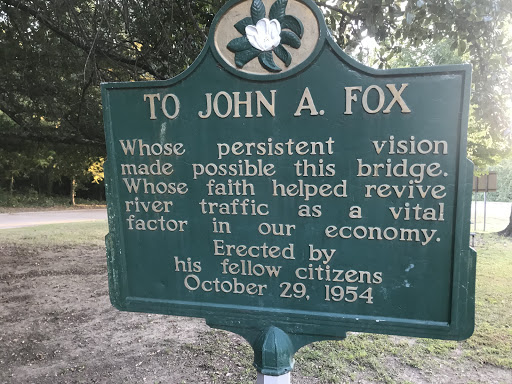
(279,183)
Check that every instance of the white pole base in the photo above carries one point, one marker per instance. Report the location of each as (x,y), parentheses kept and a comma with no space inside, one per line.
(264,379)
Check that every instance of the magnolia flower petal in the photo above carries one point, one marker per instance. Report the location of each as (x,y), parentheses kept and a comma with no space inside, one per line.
(251,30)
(263,27)
(254,42)
(252,36)
(265,35)
(275,29)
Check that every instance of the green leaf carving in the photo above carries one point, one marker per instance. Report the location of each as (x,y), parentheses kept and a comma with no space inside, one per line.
(277,10)
(267,62)
(283,54)
(243,57)
(293,24)
(257,11)
(240,26)
(239,44)
(290,38)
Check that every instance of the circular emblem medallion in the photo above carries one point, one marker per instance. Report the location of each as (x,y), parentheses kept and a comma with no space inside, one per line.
(262,37)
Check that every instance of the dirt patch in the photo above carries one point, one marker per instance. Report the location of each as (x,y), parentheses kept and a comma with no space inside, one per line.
(58,326)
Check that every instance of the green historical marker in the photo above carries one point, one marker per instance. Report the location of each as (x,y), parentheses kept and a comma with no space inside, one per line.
(287,193)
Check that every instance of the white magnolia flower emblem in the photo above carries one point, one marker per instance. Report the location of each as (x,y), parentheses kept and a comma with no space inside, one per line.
(265,35)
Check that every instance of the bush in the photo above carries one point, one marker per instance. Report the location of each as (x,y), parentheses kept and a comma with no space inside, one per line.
(34,199)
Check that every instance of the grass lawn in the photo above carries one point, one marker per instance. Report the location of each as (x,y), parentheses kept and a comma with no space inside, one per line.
(496,216)
(381,356)
(484,358)
(57,235)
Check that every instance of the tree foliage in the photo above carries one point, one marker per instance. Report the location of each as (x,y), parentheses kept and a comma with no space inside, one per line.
(96,170)
(435,32)
(489,141)
(56,53)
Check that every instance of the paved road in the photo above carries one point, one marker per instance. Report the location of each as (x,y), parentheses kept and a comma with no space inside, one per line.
(29,219)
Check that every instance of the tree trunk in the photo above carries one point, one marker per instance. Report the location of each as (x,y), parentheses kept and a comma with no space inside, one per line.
(11,187)
(73,191)
(507,231)
(39,189)
(49,182)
